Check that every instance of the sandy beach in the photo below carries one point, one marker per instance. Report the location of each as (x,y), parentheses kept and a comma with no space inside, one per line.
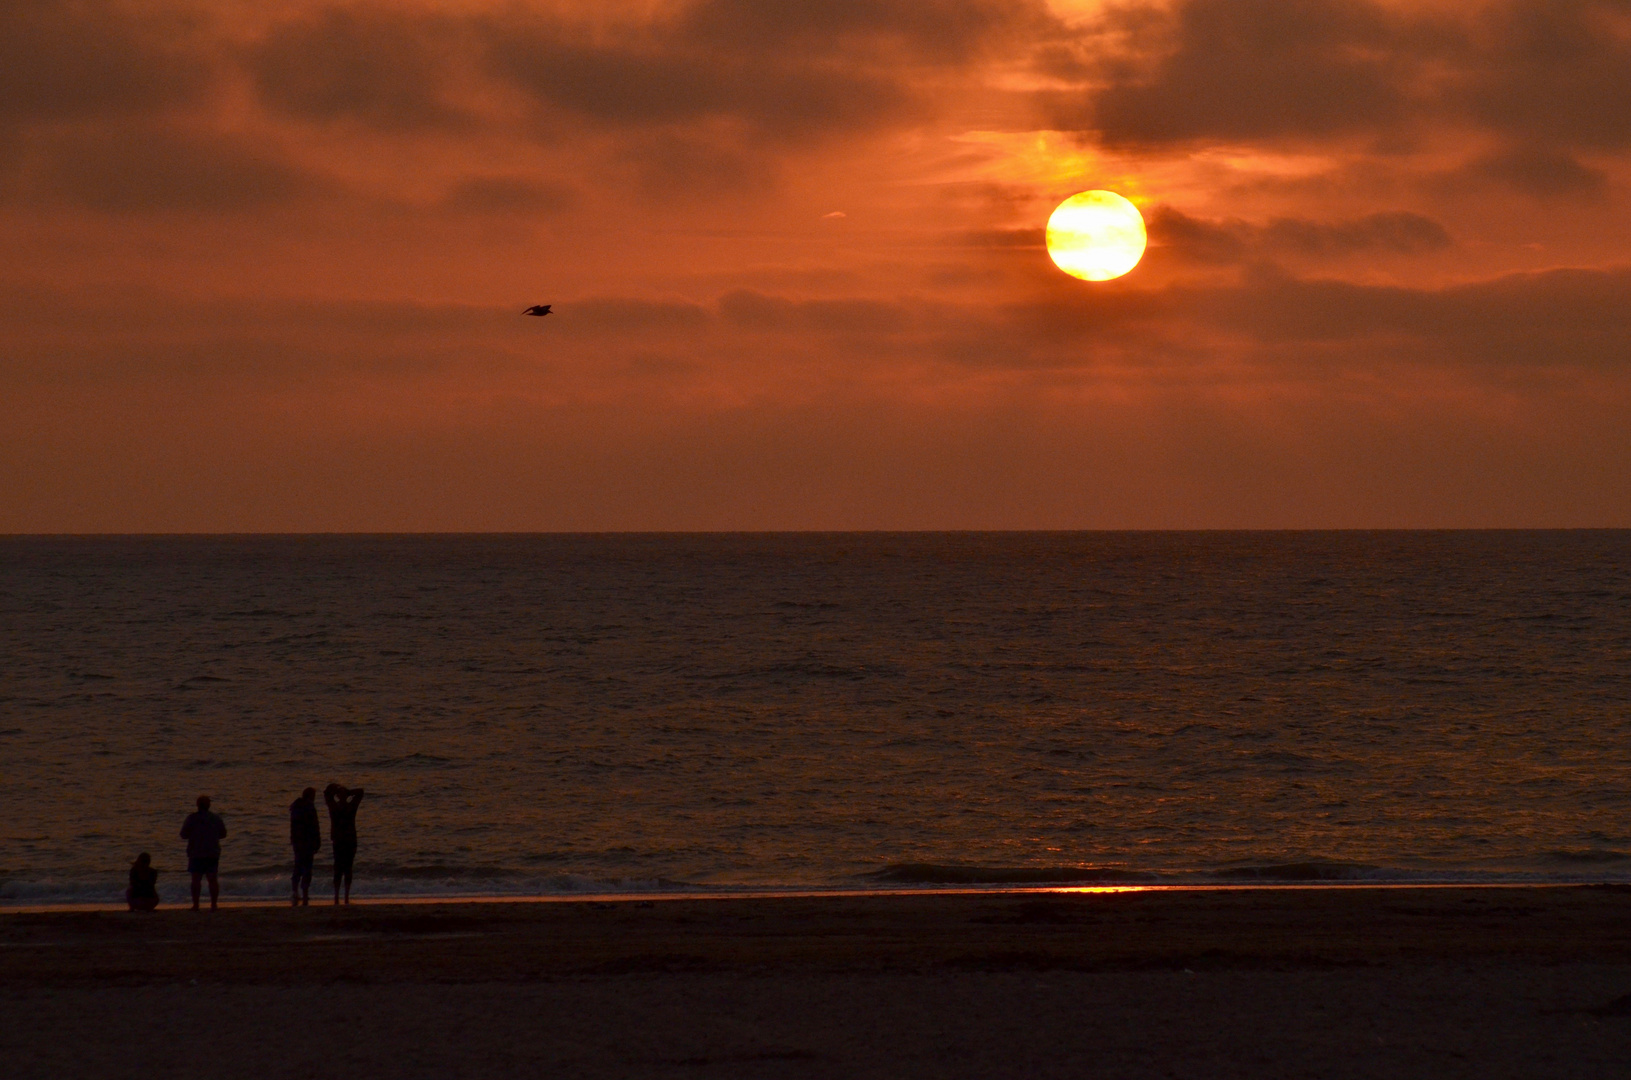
(1296,982)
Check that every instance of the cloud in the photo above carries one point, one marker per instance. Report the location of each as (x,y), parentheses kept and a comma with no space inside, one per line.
(1565,320)
(1399,232)
(1174,234)
(1025,238)
(388,69)
(1553,73)
(1282,329)
(638,81)
(406,152)
(755,311)
(1197,240)
(622,315)
(146,334)
(1249,69)
(127,170)
(1235,241)
(672,167)
(65,59)
(187,396)
(508,195)
(1539,171)
(787,71)
(1559,318)
(925,31)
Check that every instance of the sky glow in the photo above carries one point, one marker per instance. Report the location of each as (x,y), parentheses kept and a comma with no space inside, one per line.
(262,265)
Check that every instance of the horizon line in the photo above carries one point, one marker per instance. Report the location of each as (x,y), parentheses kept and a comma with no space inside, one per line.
(478,533)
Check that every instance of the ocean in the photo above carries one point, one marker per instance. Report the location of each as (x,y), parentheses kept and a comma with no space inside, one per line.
(628,713)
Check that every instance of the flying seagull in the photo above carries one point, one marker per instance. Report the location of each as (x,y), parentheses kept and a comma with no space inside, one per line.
(537,309)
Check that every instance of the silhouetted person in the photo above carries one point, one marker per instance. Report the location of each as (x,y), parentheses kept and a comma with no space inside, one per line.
(342,833)
(306,835)
(143,894)
(204,832)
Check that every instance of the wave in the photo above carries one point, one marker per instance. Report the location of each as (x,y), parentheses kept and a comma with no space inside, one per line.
(942,874)
(431,882)
(407,761)
(1588,855)
(391,871)
(1314,870)
(416,883)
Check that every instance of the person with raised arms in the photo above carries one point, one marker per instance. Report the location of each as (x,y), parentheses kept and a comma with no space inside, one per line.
(342,833)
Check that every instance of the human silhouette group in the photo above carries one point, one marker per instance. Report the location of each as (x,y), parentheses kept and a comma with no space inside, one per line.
(204,830)
(306,836)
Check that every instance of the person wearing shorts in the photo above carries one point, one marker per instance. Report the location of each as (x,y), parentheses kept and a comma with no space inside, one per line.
(204,832)
(342,833)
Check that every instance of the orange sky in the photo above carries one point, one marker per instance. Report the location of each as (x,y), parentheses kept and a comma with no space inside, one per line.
(263,265)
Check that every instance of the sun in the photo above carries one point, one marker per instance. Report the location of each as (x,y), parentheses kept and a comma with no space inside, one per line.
(1096,235)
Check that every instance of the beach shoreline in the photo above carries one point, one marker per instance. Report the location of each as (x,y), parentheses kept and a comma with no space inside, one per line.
(1330,981)
(815,893)
(1079,927)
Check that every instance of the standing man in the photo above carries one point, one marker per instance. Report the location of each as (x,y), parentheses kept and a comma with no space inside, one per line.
(204,832)
(342,833)
(307,837)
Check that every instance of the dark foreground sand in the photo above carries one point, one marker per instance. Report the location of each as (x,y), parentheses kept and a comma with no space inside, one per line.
(1318,983)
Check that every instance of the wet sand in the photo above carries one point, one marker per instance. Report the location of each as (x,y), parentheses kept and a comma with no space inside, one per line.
(1320,982)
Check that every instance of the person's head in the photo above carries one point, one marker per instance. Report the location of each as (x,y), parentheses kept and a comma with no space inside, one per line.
(340,789)
(144,860)
(309,794)
(203,802)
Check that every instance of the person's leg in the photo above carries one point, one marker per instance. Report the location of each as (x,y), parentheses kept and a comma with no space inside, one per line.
(198,880)
(294,882)
(130,898)
(215,890)
(344,854)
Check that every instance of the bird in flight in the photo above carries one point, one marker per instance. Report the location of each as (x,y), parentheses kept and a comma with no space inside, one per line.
(537,309)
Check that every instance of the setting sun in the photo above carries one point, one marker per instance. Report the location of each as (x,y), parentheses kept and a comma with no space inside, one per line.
(1096,235)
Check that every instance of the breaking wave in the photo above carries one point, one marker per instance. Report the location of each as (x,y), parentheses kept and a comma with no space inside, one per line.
(940,874)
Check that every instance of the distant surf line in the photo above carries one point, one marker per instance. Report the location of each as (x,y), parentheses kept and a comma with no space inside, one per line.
(839,893)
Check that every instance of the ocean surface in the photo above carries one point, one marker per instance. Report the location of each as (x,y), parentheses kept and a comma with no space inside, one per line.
(576,714)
